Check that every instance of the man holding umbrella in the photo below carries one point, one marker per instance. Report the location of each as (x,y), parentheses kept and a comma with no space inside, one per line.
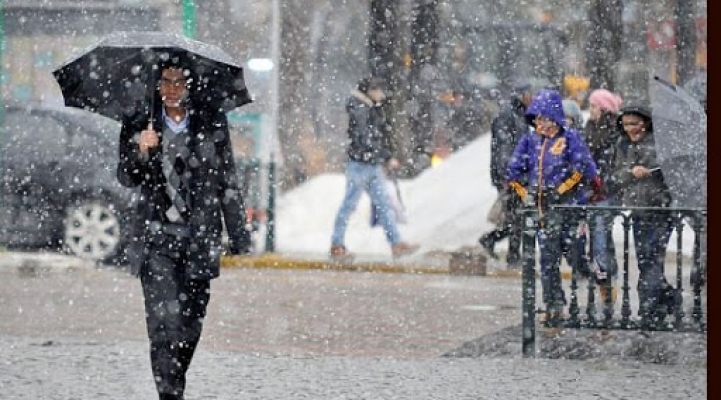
(180,156)
(171,94)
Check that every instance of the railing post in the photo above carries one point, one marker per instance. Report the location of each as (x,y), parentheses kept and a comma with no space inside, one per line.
(626,306)
(678,298)
(591,306)
(529,284)
(699,273)
(573,309)
(609,303)
(270,234)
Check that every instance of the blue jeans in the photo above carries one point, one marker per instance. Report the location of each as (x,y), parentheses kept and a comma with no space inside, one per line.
(603,248)
(651,232)
(369,178)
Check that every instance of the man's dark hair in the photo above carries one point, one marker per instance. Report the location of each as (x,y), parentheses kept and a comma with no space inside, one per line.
(370,83)
(173,60)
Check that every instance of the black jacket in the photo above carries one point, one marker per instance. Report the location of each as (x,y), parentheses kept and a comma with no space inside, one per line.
(506,129)
(601,137)
(650,191)
(370,140)
(214,192)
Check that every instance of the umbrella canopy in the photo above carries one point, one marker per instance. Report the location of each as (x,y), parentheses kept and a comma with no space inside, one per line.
(680,133)
(118,75)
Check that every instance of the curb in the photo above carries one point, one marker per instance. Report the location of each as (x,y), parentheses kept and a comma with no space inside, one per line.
(274,261)
(279,262)
(33,264)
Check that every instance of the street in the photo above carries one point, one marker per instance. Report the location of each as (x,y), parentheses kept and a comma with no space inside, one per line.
(79,333)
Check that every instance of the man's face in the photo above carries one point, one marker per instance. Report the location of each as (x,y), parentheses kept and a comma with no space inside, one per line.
(173,87)
(377,94)
(634,126)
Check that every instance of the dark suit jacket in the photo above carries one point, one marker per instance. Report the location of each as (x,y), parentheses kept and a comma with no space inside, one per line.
(214,192)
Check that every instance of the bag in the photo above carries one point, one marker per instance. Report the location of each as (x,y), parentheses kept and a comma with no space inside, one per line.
(497,215)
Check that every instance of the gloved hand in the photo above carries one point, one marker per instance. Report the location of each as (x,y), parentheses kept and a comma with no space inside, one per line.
(527,199)
(598,190)
(519,189)
(241,245)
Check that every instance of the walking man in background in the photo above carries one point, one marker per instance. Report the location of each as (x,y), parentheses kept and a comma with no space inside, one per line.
(180,156)
(507,129)
(370,148)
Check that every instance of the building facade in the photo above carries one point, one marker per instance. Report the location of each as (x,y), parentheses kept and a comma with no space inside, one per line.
(41,35)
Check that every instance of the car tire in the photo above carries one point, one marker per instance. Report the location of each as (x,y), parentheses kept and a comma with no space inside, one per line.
(92,229)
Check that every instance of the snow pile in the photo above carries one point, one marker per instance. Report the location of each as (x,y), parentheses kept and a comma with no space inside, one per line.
(446,207)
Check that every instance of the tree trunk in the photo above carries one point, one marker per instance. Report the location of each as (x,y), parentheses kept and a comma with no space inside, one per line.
(294,115)
(603,50)
(386,47)
(685,40)
(424,46)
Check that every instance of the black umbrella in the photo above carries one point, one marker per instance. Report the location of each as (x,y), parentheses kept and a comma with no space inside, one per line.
(119,74)
(679,124)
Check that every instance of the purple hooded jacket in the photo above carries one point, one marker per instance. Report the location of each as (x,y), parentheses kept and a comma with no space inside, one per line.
(544,163)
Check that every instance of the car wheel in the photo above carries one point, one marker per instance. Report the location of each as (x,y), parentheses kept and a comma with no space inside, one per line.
(92,230)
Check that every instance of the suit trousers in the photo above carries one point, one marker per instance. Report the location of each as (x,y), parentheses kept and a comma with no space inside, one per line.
(174,309)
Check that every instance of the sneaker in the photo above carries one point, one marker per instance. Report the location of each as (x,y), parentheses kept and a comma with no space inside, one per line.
(404,249)
(488,245)
(339,252)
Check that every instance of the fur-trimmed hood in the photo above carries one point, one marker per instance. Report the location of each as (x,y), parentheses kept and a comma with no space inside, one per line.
(362,97)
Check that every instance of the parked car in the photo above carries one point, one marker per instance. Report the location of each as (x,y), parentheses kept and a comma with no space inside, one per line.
(59,187)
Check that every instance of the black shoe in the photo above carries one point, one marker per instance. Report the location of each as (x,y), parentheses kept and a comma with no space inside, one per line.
(488,246)
(584,271)
(667,302)
(514,262)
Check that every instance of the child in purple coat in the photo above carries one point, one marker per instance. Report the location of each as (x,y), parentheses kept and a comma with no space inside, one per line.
(554,161)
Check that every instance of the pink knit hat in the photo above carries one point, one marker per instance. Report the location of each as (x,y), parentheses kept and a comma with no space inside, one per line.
(606,100)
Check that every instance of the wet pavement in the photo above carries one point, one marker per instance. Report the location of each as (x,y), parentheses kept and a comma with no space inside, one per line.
(78,332)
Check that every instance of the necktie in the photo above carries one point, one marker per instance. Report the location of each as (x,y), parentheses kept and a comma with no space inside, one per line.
(175,150)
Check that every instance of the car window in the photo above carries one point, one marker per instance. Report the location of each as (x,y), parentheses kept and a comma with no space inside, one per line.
(32,141)
(89,137)
(92,142)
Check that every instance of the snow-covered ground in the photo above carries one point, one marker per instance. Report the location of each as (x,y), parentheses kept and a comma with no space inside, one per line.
(446,207)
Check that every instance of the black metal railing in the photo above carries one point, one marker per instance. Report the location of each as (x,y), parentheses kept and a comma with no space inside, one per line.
(577,316)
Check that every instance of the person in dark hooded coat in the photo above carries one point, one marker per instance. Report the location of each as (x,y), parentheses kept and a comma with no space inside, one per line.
(506,130)
(640,183)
